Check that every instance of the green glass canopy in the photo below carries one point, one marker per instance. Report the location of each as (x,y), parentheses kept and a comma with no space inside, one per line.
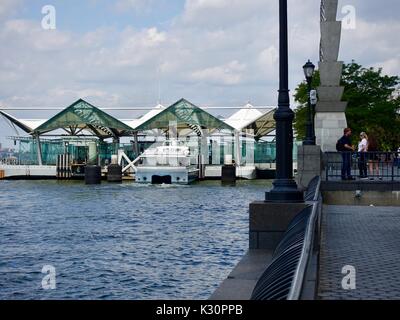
(185,115)
(81,115)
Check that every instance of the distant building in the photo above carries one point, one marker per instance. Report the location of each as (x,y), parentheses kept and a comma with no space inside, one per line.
(6,152)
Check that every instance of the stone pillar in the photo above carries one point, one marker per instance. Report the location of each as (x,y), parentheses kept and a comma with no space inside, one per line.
(330,118)
(309,164)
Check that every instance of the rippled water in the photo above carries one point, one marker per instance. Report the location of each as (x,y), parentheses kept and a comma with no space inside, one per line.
(124,241)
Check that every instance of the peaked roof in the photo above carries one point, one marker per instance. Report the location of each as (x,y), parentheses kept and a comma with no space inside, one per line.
(185,114)
(243,117)
(82,115)
(263,125)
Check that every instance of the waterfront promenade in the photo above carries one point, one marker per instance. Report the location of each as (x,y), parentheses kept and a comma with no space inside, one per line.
(366,238)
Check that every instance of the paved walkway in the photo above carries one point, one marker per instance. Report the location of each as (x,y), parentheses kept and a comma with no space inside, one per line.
(367,238)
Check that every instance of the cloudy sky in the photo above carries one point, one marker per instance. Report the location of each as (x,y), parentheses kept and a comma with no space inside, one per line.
(130,53)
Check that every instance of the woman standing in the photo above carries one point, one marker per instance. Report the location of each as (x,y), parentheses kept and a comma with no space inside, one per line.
(362,159)
(373,157)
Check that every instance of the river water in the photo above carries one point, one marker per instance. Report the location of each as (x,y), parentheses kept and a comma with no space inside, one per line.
(123,241)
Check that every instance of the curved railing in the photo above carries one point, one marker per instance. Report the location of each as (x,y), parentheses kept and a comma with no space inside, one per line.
(312,191)
(284,277)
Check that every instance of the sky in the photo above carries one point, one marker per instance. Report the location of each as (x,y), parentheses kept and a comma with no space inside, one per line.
(135,53)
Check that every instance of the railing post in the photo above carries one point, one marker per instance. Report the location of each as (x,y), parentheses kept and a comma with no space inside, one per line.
(327,167)
(392,165)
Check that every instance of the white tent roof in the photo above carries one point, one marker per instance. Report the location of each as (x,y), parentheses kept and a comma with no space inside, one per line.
(134,123)
(33,123)
(243,117)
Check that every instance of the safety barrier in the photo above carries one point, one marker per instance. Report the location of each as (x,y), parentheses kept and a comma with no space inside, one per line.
(285,276)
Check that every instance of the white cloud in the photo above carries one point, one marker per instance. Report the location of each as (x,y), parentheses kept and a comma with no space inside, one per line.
(268,58)
(135,5)
(217,13)
(8,7)
(229,74)
(30,34)
(390,66)
(217,52)
(372,44)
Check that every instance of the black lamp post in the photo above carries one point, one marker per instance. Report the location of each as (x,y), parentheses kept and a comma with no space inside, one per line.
(309,69)
(284,187)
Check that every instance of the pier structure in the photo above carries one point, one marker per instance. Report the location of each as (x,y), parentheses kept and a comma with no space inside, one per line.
(87,135)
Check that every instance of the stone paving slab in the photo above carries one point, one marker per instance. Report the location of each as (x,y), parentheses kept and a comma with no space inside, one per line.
(367,238)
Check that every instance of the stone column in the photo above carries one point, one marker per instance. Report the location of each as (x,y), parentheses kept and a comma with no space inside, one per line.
(309,164)
(330,118)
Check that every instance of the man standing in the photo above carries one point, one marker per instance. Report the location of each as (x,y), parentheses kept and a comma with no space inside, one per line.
(346,149)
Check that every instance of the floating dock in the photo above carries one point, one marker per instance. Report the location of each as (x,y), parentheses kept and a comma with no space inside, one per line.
(27,172)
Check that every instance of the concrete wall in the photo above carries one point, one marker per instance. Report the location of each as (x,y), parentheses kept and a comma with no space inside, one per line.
(269,221)
(28,171)
(365,198)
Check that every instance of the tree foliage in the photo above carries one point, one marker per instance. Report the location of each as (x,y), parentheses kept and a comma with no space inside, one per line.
(372,104)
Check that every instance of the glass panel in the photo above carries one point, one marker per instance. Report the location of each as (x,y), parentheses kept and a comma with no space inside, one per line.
(79,115)
(184,114)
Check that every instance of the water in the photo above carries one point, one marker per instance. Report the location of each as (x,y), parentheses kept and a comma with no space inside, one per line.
(124,241)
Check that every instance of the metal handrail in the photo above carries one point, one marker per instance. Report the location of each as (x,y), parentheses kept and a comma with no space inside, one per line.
(312,190)
(284,277)
(298,280)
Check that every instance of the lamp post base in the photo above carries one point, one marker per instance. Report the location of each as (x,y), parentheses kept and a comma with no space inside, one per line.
(310,138)
(295,196)
(308,143)
(284,191)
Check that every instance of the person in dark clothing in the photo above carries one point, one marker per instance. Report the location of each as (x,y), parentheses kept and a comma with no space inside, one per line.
(373,158)
(347,149)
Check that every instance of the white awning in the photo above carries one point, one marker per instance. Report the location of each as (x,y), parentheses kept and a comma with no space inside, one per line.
(247,116)
(134,123)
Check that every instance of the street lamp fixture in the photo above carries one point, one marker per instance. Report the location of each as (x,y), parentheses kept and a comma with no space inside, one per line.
(309,69)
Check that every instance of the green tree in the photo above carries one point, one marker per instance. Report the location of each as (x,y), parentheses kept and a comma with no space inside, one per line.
(372,104)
